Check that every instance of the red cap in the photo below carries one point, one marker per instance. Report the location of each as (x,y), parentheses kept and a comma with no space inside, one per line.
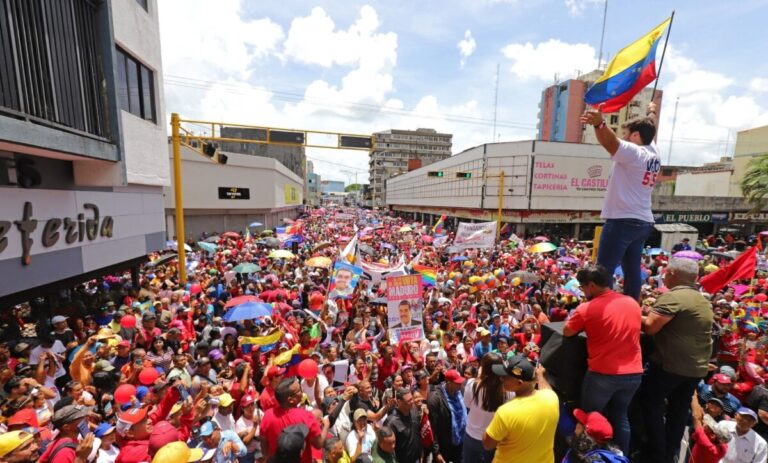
(453,376)
(363,347)
(124,343)
(722,379)
(471,358)
(134,415)
(247,400)
(26,416)
(163,433)
(596,425)
(275,371)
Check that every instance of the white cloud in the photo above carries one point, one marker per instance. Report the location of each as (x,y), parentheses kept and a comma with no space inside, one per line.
(545,60)
(759,84)
(466,47)
(710,111)
(194,44)
(314,40)
(577,7)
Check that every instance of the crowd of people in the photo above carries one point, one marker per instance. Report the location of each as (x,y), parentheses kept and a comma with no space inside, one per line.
(157,373)
(266,354)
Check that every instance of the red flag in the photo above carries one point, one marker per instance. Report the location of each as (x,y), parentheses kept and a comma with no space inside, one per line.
(741,267)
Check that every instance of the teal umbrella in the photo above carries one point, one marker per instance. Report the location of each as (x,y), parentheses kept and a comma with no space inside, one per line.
(246,268)
(208,247)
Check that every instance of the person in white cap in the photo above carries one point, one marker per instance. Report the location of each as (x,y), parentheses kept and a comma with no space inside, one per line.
(746,446)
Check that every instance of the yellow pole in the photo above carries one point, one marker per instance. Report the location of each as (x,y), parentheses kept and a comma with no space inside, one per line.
(596,242)
(179,200)
(501,203)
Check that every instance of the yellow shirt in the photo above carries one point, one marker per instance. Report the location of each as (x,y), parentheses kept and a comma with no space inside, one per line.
(344,458)
(525,427)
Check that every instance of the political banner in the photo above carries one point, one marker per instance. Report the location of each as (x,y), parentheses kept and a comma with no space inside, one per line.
(404,308)
(343,280)
(475,235)
(378,273)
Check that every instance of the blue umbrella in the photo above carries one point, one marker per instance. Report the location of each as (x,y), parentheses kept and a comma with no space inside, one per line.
(459,259)
(248,311)
(620,273)
(256,224)
(208,247)
(654,251)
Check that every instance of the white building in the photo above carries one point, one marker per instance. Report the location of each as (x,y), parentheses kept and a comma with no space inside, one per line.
(547,186)
(82,129)
(219,198)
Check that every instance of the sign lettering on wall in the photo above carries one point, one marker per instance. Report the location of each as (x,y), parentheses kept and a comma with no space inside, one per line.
(570,176)
(226,192)
(71,229)
(690,217)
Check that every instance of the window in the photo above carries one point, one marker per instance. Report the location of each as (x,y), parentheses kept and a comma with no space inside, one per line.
(144,4)
(614,119)
(136,87)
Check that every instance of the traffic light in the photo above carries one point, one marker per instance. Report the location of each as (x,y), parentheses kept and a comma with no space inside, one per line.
(464,174)
(438,173)
(209,149)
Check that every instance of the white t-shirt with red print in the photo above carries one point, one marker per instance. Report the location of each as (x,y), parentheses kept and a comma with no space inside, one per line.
(633,175)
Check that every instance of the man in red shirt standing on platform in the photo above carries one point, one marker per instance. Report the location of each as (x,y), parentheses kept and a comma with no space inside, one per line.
(612,324)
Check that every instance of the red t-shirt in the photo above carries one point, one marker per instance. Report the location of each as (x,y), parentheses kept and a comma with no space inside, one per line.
(276,419)
(385,371)
(267,399)
(612,323)
(704,451)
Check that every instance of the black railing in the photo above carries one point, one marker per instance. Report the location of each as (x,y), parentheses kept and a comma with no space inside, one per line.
(50,69)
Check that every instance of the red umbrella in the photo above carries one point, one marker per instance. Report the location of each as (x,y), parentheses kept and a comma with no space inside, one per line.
(231,234)
(241,300)
(427,238)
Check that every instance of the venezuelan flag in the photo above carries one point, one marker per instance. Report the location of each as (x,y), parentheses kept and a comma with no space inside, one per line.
(428,274)
(629,71)
(438,228)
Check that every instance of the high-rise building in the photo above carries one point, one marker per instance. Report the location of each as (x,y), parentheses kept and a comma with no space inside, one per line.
(399,151)
(292,157)
(562,104)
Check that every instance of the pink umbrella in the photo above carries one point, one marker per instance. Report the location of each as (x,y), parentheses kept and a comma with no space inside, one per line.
(541,238)
(427,238)
(764,233)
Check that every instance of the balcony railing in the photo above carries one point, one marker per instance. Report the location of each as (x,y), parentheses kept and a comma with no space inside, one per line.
(50,68)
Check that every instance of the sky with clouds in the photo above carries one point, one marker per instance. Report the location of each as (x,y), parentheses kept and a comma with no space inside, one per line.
(361,67)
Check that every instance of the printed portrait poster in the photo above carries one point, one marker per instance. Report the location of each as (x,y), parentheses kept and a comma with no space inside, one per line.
(343,280)
(404,308)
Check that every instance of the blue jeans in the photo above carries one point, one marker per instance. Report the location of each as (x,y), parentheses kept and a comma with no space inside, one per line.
(665,399)
(611,396)
(621,242)
(474,451)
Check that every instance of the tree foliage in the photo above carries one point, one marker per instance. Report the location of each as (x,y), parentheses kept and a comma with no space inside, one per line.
(754,185)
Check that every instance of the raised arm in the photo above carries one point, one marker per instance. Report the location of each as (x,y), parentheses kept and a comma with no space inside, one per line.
(604,134)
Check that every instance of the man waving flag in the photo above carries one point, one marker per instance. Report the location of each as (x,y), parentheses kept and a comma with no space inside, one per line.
(629,71)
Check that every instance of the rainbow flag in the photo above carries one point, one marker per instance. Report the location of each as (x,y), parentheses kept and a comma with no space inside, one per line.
(629,71)
(438,228)
(428,274)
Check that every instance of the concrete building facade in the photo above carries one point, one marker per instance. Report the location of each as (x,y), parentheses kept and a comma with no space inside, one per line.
(400,151)
(82,142)
(562,104)
(551,188)
(219,198)
(292,157)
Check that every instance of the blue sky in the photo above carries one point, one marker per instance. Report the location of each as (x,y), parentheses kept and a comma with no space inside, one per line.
(361,67)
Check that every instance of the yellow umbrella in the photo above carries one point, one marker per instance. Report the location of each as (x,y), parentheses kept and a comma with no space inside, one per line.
(405,229)
(711,268)
(281,254)
(320,261)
